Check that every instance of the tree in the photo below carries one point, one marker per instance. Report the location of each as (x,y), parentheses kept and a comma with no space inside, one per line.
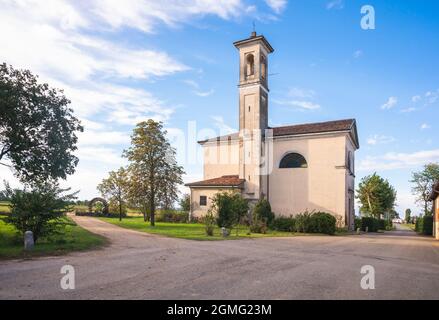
(408,213)
(168,188)
(423,185)
(37,128)
(40,209)
(114,188)
(376,196)
(153,170)
(185,203)
(229,208)
(262,211)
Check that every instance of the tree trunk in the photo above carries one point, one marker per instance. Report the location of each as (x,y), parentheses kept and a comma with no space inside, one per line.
(370,205)
(152,210)
(120,210)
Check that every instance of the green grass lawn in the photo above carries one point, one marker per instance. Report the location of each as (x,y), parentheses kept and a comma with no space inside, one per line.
(191,231)
(74,238)
(408,226)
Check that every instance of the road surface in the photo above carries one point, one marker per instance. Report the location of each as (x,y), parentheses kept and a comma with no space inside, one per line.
(142,266)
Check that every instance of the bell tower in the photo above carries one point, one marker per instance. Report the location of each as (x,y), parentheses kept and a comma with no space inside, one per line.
(253,111)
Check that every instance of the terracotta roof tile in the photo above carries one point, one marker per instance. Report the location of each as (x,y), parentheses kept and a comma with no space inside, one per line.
(224,181)
(319,127)
(298,129)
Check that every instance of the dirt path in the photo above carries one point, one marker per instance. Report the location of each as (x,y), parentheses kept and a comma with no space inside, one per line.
(140,266)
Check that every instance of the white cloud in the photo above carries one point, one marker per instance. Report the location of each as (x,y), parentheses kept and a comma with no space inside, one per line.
(425,126)
(301,93)
(99,138)
(193,84)
(416,98)
(357,54)
(408,110)
(101,156)
(432,96)
(204,93)
(335,4)
(144,15)
(299,104)
(222,126)
(277,5)
(391,102)
(380,139)
(393,160)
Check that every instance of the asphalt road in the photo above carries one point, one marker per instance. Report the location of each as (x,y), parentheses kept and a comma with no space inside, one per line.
(141,266)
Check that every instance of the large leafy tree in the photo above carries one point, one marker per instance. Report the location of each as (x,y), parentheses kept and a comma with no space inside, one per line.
(115,188)
(37,127)
(154,173)
(376,196)
(167,188)
(423,182)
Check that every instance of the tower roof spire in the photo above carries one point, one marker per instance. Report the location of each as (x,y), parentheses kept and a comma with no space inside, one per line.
(253,34)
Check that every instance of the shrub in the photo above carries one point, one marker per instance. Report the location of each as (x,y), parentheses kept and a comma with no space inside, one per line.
(287,224)
(357,223)
(303,222)
(262,211)
(209,222)
(381,224)
(369,223)
(173,216)
(99,214)
(39,210)
(424,225)
(322,222)
(258,226)
(185,203)
(230,208)
(388,225)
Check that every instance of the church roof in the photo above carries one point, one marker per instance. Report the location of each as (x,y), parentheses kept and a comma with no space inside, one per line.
(224,181)
(307,128)
(253,38)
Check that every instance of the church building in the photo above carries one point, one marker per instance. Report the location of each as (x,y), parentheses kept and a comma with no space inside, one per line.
(298,168)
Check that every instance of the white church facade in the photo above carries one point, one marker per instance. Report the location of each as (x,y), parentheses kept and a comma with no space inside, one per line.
(297,168)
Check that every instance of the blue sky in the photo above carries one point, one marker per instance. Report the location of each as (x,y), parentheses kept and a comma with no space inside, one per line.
(122,62)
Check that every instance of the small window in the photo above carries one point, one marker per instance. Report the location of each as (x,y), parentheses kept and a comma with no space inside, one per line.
(203,201)
(293,160)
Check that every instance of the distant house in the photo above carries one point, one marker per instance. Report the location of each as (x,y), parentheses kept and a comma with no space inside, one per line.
(435,198)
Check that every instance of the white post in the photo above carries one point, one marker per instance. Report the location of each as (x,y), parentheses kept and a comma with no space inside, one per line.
(28,240)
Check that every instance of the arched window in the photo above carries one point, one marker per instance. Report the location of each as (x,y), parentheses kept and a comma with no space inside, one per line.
(293,160)
(250,67)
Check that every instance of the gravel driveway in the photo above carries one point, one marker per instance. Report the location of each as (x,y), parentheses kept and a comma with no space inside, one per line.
(141,266)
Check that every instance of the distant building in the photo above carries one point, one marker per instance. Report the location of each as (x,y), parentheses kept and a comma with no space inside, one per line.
(435,198)
(297,167)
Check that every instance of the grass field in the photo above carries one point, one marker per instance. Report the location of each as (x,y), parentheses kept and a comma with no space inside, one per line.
(190,231)
(74,238)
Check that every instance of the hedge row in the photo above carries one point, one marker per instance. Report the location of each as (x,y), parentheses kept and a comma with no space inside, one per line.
(424,225)
(317,222)
(372,224)
(98,214)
